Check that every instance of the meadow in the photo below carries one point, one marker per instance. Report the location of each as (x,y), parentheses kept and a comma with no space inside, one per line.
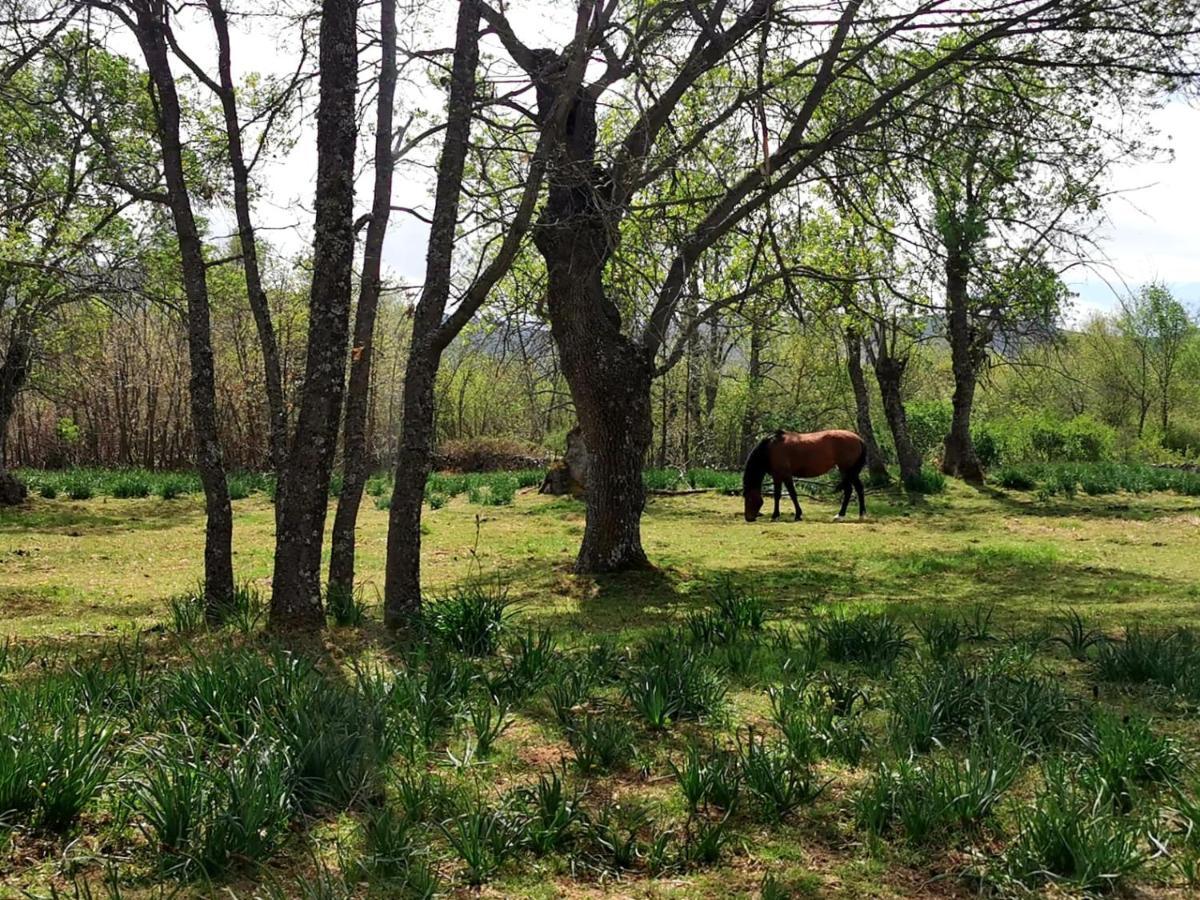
(973,691)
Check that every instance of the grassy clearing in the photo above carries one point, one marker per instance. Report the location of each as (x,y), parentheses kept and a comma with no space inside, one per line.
(975,688)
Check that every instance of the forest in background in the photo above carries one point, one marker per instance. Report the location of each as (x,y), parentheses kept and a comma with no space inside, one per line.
(110,386)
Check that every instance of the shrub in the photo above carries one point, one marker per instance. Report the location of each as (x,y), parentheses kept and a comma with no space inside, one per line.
(928,424)
(79,485)
(670,680)
(932,798)
(496,489)
(489,454)
(1071,837)
(483,839)
(173,486)
(471,618)
(709,778)
(774,777)
(126,485)
(874,640)
(926,481)
(209,816)
(347,606)
(1127,755)
(601,743)
(1015,479)
(1170,659)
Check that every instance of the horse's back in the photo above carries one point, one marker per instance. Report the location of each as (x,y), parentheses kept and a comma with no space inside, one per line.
(812,454)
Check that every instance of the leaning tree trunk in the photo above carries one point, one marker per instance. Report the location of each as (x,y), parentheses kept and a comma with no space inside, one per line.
(218,529)
(303,497)
(414,459)
(355,458)
(862,408)
(889,372)
(958,457)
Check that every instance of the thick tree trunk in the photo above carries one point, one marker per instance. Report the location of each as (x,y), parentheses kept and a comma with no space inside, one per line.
(303,497)
(958,457)
(609,374)
(862,408)
(218,533)
(355,458)
(889,372)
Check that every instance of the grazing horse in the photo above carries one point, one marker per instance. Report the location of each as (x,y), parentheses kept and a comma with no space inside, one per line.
(787,454)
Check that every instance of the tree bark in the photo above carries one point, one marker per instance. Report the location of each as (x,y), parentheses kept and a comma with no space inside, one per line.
(303,496)
(958,456)
(862,408)
(13,372)
(355,458)
(402,590)
(276,409)
(609,374)
(218,534)
(889,372)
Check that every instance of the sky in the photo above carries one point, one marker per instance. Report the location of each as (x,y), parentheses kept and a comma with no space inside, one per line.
(1149,234)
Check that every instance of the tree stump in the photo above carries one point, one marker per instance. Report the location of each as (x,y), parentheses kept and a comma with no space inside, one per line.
(569,475)
(12,491)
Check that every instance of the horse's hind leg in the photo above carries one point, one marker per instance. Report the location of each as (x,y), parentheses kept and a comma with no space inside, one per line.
(778,492)
(791,486)
(858,489)
(846,489)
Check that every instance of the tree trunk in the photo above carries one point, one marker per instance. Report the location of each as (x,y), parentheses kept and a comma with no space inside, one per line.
(862,408)
(753,378)
(609,374)
(402,587)
(355,460)
(303,497)
(13,372)
(276,409)
(218,535)
(958,457)
(889,372)
(610,382)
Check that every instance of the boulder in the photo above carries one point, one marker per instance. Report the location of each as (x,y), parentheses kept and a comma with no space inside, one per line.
(12,491)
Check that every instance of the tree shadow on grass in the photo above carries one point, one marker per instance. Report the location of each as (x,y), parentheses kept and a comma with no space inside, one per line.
(1137,507)
(122,515)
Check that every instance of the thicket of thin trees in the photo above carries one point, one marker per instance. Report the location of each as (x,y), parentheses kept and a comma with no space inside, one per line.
(678,224)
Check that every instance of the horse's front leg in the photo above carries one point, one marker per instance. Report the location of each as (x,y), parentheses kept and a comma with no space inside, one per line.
(778,490)
(791,486)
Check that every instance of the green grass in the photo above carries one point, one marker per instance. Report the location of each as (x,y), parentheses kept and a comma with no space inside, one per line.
(978,687)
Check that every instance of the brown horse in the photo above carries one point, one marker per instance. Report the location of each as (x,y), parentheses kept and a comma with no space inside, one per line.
(786,455)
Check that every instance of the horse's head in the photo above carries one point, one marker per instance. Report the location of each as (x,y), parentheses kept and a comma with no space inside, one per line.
(754,503)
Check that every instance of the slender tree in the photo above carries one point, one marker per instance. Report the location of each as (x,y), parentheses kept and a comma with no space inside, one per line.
(355,458)
(303,487)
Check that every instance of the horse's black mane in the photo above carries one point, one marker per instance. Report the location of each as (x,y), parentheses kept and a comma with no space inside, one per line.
(757,463)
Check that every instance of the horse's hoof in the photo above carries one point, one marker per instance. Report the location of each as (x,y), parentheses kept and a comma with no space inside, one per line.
(839,518)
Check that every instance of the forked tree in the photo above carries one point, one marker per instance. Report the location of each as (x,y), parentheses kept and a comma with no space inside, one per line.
(632,125)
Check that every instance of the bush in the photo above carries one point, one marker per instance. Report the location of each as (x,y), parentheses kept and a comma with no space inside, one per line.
(1015,479)
(173,486)
(79,485)
(470,618)
(489,454)
(1071,837)
(669,680)
(126,485)
(928,424)
(874,640)
(926,481)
